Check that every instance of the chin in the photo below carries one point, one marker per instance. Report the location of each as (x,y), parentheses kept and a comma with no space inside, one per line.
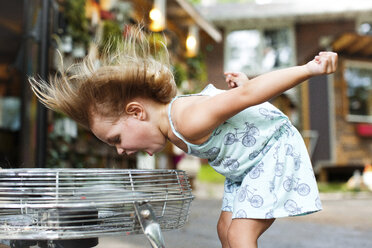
(158,149)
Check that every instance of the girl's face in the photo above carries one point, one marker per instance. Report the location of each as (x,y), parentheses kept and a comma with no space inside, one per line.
(129,134)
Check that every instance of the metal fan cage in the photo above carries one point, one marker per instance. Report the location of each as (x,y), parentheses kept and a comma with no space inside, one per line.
(53,204)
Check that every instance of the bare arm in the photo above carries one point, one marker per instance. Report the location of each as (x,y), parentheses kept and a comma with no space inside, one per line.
(324,63)
(202,117)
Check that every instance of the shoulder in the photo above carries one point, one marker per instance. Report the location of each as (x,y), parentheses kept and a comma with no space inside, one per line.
(195,117)
(184,113)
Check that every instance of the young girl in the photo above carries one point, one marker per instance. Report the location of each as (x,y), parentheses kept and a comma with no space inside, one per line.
(129,102)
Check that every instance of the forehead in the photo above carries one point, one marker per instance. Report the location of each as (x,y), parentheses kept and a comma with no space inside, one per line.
(102,127)
(97,119)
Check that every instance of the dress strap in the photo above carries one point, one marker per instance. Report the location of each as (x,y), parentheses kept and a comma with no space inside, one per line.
(172,125)
(209,90)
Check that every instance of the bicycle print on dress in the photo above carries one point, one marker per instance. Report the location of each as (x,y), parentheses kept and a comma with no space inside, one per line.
(246,137)
(228,186)
(256,171)
(283,129)
(218,130)
(230,163)
(265,162)
(296,156)
(210,154)
(292,207)
(293,183)
(241,214)
(318,203)
(270,114)
(265,148)
(226,205)
(279,168)
(248,193)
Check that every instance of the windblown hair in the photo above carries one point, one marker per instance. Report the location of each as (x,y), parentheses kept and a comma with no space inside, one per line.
(130,71)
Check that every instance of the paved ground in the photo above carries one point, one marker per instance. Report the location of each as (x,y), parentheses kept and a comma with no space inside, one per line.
(345,222)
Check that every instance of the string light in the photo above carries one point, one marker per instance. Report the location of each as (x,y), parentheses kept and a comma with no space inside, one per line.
(157,16)
(192,41)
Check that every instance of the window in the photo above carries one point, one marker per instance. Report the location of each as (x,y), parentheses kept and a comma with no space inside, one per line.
(358,77)
(256,51)
(365,28)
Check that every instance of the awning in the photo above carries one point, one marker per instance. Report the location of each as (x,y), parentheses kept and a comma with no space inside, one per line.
(199,20)
(353,44)
(179,13)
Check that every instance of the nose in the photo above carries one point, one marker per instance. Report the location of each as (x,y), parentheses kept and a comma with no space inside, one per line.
(120,151)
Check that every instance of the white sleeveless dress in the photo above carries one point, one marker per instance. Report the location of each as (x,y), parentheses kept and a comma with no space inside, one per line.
(265,161)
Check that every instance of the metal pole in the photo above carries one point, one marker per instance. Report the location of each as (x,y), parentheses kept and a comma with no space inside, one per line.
(25,133)
(43,72)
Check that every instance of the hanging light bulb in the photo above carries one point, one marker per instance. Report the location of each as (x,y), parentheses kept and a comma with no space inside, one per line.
(157,16)
(192,41)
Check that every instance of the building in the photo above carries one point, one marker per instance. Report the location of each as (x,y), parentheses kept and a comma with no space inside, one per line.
(333,112)
(31,32)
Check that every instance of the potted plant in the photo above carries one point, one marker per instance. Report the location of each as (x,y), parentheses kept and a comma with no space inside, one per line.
(77,25)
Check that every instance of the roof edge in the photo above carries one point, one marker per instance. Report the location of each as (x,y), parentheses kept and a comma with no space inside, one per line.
(200,20)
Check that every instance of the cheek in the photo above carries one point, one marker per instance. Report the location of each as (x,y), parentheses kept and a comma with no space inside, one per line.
(143,133)
(151,137)
(136,135)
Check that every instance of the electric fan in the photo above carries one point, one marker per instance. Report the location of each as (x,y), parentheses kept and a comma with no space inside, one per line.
(73,207)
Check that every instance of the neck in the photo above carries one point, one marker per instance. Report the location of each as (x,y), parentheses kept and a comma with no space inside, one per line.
(158,114)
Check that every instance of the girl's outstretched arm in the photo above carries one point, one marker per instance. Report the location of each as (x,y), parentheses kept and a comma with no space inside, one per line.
(202,117)
(235,79)
(324,63)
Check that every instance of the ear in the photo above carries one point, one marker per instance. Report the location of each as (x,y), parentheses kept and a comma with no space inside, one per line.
(136,110)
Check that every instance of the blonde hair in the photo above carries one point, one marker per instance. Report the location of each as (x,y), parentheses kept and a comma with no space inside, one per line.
(130,71)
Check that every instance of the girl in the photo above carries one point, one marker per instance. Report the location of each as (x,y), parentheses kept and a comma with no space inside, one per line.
(129,102)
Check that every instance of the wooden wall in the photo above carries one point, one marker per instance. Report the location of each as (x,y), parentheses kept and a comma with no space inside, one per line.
(316,107)
(214,56)
(351,149)
(309,35)
(348,148)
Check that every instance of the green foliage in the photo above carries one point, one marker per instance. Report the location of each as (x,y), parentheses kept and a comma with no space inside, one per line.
(60,152)
(157,40)
(208,174)
(338,187)
(158,45)
(111,35)
(77,23)
(197,68)
(197,72)
(191,76)
(331,187)
(180,74)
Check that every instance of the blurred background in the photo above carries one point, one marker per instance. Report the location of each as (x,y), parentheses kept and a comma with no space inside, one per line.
(205,38)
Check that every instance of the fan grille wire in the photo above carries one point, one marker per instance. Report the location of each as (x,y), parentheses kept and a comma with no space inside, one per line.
(56,204)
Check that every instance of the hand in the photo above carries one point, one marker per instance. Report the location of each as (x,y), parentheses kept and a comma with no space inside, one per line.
(324,63)
(235,79)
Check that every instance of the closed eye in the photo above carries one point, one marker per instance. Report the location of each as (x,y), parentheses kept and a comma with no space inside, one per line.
(114,140)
